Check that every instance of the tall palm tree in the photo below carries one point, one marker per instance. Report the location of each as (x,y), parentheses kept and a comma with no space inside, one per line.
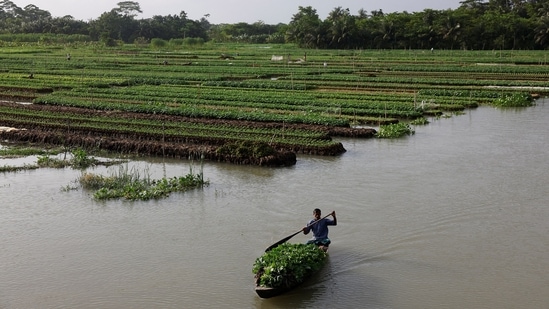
(542,31)
(340,26)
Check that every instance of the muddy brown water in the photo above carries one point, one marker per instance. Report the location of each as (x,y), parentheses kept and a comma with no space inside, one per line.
(455,216)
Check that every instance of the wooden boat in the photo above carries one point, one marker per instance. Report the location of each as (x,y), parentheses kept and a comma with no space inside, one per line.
(268,292)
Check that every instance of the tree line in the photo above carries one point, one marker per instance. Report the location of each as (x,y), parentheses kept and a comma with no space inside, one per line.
(475,24)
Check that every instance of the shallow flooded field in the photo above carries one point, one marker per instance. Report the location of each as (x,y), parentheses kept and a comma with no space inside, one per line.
(454,216)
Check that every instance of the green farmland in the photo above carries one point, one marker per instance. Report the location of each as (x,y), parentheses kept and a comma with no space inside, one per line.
(245,103)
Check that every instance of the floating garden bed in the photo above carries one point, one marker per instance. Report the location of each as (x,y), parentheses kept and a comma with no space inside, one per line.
(186,103)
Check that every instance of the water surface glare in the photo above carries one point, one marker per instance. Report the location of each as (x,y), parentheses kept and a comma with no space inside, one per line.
(455,216)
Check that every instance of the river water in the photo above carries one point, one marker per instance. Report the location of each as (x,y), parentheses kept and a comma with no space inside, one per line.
(455,216)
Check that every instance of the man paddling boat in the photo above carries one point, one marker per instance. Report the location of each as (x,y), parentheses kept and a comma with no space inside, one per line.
(320,229)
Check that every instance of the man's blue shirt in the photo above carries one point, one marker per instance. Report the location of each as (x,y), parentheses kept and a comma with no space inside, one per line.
(320,229)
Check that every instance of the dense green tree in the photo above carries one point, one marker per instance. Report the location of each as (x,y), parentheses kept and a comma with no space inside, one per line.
(450,26)
(475,24)
(386,33)
(128,8)
(341,28)
(541,36)
(114,26)
(424,26)
(258,32)
(173,26)
(305,28)
(362,37)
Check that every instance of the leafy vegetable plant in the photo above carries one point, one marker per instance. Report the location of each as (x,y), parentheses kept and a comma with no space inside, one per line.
(514,100)
(394,130)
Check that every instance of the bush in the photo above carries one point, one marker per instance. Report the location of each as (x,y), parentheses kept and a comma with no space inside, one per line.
(158,43)
(81,160)
(141,41)
(193,42)
(176,42)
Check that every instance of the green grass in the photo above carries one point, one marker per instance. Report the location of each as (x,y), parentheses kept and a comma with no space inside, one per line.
(10,168)
(25,151)
(133,185)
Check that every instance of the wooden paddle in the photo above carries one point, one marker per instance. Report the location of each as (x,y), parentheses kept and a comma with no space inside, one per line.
(283,240)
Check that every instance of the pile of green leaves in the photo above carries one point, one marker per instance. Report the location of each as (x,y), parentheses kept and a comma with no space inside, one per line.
(288,264)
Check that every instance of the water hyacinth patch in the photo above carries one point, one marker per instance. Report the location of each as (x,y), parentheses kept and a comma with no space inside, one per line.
(131,185)
(514,100)
(287,265)
(394,130)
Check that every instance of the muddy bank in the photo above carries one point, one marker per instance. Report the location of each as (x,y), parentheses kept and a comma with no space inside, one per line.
(144,147)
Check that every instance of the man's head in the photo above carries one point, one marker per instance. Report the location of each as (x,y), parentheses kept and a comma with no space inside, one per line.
(316,213)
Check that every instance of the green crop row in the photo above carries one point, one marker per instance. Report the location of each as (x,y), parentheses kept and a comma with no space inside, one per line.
(219,129)
(163,129)
(249,100)
(298,100)
(325,80)
(195,111)
(475,68)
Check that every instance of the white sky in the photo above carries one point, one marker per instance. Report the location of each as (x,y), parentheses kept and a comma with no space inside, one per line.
(233,11)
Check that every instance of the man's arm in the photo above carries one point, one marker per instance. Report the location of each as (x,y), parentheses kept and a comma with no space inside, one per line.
(334,216)
(308,228)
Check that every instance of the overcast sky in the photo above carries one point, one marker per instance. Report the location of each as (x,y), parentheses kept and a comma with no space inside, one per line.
(233,11)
